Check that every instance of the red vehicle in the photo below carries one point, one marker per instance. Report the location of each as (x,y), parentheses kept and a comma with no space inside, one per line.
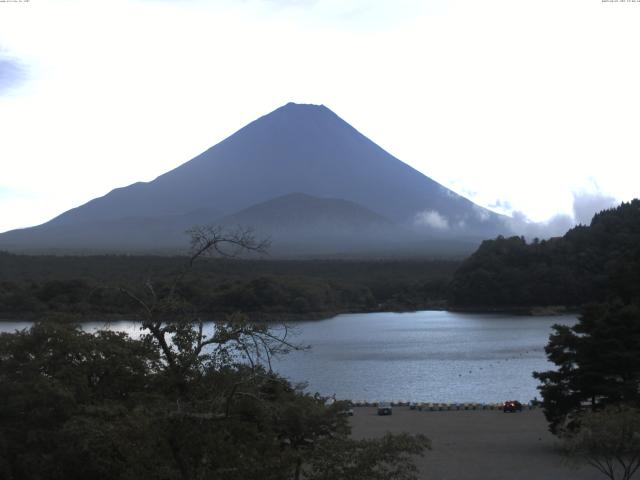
(512,406)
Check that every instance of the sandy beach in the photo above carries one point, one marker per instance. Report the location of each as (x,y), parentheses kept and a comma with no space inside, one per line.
(478,444)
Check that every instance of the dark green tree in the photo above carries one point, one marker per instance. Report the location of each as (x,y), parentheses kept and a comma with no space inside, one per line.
(57,381)
(598,364)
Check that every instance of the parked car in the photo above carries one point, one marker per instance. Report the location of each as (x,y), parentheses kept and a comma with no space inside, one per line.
(384,408)
(512,406)
(413,405)
(347,412)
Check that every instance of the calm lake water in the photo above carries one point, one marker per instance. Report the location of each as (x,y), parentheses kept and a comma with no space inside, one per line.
(430,356)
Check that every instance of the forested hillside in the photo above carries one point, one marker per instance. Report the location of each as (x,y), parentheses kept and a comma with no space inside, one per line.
(31,286)
(589,264)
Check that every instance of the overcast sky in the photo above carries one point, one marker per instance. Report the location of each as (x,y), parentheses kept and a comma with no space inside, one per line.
(520,105)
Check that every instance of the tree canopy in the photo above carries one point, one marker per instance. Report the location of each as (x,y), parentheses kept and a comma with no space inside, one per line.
(588,264)
(34,287)
(598,364)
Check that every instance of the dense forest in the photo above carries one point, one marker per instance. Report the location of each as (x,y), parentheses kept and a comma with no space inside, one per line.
(589,264)
(90,286)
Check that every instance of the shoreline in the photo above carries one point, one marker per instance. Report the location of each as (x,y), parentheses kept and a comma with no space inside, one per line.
(272,317)
(447,406)
(526,311)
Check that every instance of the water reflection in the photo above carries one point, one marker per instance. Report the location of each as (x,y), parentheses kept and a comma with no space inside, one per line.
(422,356)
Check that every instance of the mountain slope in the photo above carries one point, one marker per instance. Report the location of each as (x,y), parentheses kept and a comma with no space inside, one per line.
(302,224)
(296,148)
(129,234)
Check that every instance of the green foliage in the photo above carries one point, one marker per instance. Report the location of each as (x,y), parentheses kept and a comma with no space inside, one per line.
(75,405)
(176,404)
(609,440)
(598,364)
(588,264)
(55,379)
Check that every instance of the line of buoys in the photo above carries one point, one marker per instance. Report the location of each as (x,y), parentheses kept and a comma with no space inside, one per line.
(435,407)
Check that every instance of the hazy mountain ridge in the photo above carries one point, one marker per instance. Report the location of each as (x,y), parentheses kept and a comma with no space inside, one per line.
(299,211)
(135,234)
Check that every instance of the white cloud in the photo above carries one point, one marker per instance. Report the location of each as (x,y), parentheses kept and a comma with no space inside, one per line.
(586,204)
(482,214)
(12,74)
(520,224)
(432,219)
(501,205)
(358,14)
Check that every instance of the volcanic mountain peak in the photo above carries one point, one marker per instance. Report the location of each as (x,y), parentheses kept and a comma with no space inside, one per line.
(296,148)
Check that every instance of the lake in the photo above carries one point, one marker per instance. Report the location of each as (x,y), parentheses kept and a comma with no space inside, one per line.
(430,356)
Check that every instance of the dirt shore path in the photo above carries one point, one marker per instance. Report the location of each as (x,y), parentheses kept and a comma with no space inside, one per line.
(478,445)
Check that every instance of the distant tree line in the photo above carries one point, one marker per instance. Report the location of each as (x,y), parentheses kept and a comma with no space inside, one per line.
(31,286)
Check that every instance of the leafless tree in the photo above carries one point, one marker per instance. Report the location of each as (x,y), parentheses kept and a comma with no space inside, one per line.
(180,333)
(609,440)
